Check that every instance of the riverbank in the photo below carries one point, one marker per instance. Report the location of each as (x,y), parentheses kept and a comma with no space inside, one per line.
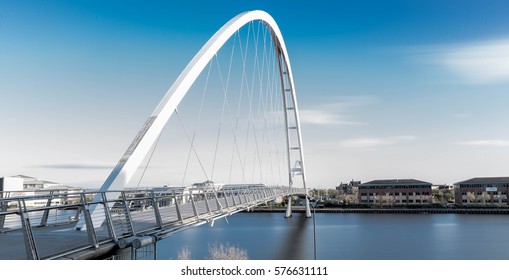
(391,210)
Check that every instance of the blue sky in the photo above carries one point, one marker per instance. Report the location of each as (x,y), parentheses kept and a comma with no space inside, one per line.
(387,89)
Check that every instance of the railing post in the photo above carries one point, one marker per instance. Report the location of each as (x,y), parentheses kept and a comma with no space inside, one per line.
(128,214)
(92,237)
(109,220)
(157,213)
(266,194)
(257,194)
(3,207)
(177,208)
(28,235)
(207,204)
(219,206)
(233,198)
(193,204)
(245,196)
(226,199)
(45,215)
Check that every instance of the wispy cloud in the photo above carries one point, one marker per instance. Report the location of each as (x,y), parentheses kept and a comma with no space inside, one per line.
(486,143)
(376,141)
(340,111)
(75,166)
(482,62)
(325,118)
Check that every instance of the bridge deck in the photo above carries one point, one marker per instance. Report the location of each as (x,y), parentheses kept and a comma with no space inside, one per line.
(49,232)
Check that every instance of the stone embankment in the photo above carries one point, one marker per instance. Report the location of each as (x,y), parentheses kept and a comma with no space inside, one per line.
(394,210)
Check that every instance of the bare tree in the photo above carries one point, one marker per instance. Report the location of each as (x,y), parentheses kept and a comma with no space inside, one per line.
(486,197)
(226,252)
(332,193)
(184,254)
(471,197)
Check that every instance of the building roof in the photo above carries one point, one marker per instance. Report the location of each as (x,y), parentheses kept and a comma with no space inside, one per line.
(395,182)
(485,180)
(24,177)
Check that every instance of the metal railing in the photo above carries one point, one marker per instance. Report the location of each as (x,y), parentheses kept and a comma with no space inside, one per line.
(45,223)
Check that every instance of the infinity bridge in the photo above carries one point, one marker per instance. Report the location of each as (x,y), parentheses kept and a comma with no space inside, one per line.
(247,123)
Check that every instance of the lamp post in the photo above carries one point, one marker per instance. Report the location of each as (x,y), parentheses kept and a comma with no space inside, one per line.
(314,227)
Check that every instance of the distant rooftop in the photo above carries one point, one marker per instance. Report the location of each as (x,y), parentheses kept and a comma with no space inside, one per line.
(29,181)
(485,180)
(395,182)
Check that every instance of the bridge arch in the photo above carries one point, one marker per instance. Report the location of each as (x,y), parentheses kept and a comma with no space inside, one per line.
(147,136)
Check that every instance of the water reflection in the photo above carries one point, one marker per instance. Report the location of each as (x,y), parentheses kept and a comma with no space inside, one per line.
(293,245)
(268,236)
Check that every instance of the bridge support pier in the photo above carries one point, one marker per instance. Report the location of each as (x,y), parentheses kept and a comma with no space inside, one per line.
(308,209)
(289,207)
(288,213)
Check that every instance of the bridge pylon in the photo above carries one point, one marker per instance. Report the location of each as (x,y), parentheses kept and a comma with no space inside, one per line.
(288,212)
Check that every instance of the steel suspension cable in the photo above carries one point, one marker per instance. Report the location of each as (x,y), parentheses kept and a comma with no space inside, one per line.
(196,124)
(227,106)
(149,159)
(192,145)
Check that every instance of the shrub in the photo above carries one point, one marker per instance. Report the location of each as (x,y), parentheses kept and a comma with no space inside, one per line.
(226,252)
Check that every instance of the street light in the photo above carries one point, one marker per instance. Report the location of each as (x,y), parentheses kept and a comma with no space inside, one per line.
(314,226)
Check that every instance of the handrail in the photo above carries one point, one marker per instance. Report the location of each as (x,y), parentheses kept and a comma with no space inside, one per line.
(132,213)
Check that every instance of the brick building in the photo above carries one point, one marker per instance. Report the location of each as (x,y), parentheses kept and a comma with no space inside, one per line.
(395,192)
(482,191)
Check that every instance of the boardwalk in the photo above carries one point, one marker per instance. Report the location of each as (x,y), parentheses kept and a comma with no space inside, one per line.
(135,214)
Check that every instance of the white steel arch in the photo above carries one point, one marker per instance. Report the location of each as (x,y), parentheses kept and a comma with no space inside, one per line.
(147,136)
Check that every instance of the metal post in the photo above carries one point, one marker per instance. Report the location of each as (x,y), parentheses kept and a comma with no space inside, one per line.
(177,208)
(233,197)
(45,215)
(3,207)
(157,213)
(226,199)
(207,203)
(92,237)
(219,206)
(314,230)
(28,235)
(195,210)
(128,214)
(245,196)
(109,219)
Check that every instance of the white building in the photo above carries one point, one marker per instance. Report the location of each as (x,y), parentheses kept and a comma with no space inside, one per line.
(25,186)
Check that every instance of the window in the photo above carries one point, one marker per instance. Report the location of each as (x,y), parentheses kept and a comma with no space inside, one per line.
(464,201)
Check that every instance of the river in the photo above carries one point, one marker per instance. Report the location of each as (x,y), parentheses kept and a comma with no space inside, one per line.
(270,236)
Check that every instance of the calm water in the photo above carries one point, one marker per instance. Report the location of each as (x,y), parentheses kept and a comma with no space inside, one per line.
(268,236)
